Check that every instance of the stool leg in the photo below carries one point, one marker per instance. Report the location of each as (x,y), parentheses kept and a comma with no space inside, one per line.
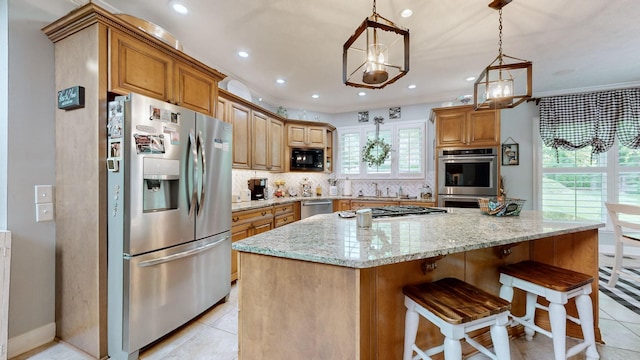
(506,292)
(410,330)
(585,312)
(452,349)
(558,319)
(530,315)
(500,339)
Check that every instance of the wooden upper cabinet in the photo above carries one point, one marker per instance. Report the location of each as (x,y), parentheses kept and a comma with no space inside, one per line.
(267,150)
(300,135)
(195,90)
(137,67)
(240,117)
(141,68)
(221,110)
(276,145)
(461,126)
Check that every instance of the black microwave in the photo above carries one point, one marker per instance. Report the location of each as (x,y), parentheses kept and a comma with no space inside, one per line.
(307,160)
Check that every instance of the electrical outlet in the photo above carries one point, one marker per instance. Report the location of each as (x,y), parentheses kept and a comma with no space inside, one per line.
(44,212)
(44,194)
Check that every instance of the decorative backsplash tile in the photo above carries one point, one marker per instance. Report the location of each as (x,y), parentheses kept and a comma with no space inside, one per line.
(293,181)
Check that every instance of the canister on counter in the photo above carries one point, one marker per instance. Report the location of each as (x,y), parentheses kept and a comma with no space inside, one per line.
(364,218)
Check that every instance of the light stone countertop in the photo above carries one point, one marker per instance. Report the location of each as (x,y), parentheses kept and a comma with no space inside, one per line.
(256,204)
(330,239)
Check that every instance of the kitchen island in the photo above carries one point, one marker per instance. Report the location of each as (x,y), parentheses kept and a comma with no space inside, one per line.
(323,288)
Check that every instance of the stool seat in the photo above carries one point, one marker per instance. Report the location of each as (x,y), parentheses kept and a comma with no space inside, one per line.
(456,301)
(456,308)
(557,286)
(548,276)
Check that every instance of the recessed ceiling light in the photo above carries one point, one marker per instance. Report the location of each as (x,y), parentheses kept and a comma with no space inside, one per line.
(280,81)
(243,54)
(179,6)
(470,78)
(315,96)
(362,93)
(406,13)
(412,86)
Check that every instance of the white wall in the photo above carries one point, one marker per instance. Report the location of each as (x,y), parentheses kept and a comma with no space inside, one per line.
(517,123)
(30,161)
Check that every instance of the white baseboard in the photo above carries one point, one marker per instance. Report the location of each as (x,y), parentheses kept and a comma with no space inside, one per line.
(31,340)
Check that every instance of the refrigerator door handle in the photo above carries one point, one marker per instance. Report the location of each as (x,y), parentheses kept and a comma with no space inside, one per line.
(190,178)
(203,173)
(172,257)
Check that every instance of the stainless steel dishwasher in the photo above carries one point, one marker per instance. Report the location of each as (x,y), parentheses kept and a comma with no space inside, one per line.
(314,207)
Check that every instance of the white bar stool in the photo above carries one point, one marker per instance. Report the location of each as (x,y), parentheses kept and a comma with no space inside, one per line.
(557,285)
(457,308)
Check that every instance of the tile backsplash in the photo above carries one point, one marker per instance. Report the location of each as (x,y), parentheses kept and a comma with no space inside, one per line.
(294,181)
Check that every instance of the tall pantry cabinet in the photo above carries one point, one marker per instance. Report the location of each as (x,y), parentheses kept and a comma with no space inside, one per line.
(107,56)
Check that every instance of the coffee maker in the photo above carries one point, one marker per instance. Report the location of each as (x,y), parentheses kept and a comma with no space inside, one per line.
(258,186)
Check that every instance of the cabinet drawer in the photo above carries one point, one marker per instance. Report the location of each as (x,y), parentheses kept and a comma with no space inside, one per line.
(355,205)
(240,217)
(283,209)
(284,219)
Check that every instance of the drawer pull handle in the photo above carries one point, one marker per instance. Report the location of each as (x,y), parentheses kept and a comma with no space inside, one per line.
(235,219)
(285,219)
(264,213)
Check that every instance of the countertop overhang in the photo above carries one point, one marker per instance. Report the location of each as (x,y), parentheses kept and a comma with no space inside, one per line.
(330,239)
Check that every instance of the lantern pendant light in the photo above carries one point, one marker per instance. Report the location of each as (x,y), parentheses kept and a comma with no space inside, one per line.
(506,82)
(377,54)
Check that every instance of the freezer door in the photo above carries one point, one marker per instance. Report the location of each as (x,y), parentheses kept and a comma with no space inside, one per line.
(168,288)
(160,157)
(213,179)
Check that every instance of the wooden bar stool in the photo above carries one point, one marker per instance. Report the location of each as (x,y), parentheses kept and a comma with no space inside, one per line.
(557,285)
(456,308)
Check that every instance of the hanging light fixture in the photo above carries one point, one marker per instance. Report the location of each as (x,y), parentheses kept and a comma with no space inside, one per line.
(377,54)
(506,82)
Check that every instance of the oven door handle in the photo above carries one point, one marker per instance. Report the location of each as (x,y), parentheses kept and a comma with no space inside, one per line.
(477,158)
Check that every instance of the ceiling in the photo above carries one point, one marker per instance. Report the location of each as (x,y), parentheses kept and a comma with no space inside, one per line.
(575,45)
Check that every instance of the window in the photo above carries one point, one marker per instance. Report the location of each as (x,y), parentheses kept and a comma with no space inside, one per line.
(575,185)
(407,158)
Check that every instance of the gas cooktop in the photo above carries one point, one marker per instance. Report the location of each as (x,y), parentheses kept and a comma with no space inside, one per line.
(401,210)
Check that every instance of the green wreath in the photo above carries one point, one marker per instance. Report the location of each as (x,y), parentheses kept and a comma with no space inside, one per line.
(378,157)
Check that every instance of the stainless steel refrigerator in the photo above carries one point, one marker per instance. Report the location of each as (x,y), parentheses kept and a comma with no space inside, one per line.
(169,219)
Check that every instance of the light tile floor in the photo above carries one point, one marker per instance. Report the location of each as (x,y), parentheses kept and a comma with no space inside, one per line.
(213,336)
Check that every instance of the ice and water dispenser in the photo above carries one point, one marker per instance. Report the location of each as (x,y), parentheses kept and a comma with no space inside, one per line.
(161,184)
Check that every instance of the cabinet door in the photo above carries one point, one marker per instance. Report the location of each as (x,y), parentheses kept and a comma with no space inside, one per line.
(450,127)
(238,232)
(222,110)
(296,135)
(195,90)
(240,117)
(260,140)
(276,145)
(136,67)
(316,136)
(483,128)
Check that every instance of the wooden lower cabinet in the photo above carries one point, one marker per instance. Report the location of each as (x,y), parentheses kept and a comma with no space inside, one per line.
(419,203)
(256,221)
(285,214)
(341,205)
(248,223)
(363,204)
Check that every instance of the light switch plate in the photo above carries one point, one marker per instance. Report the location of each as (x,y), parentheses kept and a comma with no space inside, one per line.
(44,212)
(44,194)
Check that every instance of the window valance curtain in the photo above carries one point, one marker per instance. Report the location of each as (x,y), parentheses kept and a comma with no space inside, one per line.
(575,121)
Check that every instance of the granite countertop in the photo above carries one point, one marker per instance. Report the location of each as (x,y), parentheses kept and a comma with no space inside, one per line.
(330,239)
(256,204)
